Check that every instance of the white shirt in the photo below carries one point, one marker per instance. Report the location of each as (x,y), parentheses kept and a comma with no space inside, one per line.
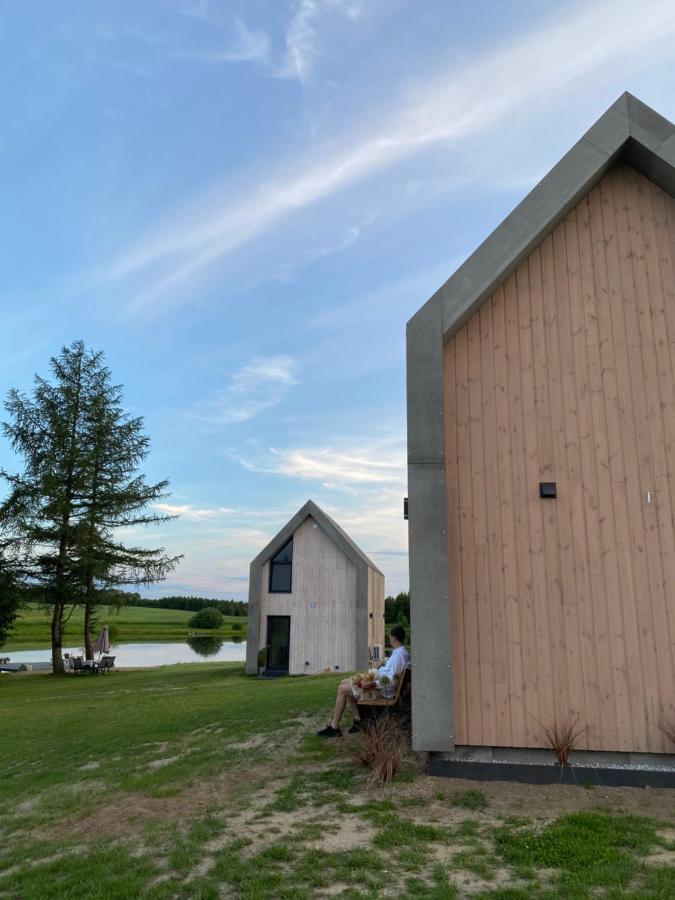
(394,667)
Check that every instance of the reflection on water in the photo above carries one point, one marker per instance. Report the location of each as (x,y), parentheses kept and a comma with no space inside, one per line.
(152,654)
(205,646)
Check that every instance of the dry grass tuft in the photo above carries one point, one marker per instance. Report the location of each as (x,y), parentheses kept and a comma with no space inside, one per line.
(383,748)
(563,737)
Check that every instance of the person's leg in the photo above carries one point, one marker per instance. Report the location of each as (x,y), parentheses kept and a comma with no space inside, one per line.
(344,692)
(354,705)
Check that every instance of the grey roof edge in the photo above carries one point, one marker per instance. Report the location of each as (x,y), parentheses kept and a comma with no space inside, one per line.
(629,129)
(334,531)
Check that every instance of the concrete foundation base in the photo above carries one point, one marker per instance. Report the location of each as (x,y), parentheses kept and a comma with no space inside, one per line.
(533,766)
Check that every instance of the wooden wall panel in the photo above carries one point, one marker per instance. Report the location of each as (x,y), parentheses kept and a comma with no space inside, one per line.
(323,635)
(375,608)
(564,608)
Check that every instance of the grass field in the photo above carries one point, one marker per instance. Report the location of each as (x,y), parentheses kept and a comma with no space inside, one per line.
(130,623)
(197,782)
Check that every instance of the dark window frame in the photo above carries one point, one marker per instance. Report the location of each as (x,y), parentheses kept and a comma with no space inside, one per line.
(289,565)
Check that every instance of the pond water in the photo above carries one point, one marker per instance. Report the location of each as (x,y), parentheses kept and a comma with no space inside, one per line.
(203,649)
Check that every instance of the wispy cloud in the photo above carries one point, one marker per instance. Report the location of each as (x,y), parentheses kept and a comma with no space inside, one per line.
(262,383)
(301,38)
(247,46)
(196,9)
(344,464)
(452,108)
(302,48)
(193,513)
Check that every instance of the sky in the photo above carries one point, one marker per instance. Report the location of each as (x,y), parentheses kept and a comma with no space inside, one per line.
(242,204)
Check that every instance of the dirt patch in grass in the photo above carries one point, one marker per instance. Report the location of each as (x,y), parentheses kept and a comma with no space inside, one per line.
(470,884)
(252,743)
(131,811)
(546,801)
(661,857)
(164,761)
(351,834)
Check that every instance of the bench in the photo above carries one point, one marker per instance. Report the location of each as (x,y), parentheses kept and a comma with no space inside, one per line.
(370,709)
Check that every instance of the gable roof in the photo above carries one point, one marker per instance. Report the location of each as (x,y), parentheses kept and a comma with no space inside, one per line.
(630,132)
(337,534)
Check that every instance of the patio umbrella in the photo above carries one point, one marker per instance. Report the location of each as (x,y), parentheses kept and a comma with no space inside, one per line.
(102,644)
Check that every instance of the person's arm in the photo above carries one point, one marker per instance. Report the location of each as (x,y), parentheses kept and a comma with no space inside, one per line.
(392,668)
(385,670)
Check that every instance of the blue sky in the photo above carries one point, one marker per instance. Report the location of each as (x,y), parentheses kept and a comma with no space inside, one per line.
(242,203)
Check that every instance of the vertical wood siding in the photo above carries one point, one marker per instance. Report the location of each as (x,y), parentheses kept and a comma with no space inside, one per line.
(375,608)
(564,608)
(323,635)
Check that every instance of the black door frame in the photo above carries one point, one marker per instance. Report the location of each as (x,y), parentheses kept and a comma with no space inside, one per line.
(278,669)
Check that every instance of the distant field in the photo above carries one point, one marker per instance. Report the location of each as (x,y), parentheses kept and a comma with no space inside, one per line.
(132,623)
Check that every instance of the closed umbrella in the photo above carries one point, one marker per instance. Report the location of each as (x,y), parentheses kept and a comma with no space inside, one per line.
(102,644)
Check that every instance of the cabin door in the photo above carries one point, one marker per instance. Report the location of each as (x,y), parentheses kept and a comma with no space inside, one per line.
(278,644)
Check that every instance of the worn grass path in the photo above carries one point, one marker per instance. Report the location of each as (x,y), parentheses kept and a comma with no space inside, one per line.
(197,782)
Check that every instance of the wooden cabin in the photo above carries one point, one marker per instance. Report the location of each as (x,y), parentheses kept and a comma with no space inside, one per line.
(316,601)
(541,444)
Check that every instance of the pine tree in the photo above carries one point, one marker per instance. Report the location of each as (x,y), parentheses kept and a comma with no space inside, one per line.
(74,491)
(116,496)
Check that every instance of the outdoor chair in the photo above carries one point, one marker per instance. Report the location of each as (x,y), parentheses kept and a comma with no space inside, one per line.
(106,665)
(77,664)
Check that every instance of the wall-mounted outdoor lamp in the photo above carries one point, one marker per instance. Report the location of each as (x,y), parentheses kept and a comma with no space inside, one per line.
(405,507)
(548,490)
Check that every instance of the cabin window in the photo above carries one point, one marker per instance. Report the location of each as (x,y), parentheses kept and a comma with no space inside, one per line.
(281,570)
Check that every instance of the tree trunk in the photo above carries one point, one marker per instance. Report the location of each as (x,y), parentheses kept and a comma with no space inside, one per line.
(88,626)
(57,639)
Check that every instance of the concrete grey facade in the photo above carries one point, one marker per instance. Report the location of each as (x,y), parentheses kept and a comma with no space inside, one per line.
(342,540)
(629,131)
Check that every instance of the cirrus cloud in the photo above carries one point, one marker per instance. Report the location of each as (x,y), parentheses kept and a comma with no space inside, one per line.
(261,384)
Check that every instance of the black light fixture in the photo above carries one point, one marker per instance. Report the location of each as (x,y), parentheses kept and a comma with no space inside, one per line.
(405,507)
(548,490)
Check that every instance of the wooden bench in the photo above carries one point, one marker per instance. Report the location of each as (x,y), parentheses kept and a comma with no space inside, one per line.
(370,709)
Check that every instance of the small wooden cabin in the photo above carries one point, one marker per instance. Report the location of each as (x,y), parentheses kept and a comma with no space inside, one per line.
(316,601)
(541,446)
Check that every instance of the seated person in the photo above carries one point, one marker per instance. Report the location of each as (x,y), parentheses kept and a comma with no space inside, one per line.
(393,669)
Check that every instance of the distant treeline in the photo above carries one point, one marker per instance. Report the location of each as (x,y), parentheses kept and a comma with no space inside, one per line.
(397,609)
(191,604)
(34,594)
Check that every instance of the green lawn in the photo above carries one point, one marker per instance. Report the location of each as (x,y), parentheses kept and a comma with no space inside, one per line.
(197,782)
(131,623)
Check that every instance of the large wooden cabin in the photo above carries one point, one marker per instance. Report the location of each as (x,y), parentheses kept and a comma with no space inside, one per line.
(541,437)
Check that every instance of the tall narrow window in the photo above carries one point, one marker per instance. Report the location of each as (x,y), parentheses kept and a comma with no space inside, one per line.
(281,570)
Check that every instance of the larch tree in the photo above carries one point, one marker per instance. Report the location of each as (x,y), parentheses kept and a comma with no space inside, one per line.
(115,497)
(79,485)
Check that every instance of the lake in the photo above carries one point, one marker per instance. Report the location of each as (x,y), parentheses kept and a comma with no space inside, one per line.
(161,653)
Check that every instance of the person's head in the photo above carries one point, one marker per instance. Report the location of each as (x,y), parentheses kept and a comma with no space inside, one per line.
(397,636)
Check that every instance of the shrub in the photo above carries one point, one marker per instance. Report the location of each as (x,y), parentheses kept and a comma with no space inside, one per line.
(383,748)
(209,617)
(563,737)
